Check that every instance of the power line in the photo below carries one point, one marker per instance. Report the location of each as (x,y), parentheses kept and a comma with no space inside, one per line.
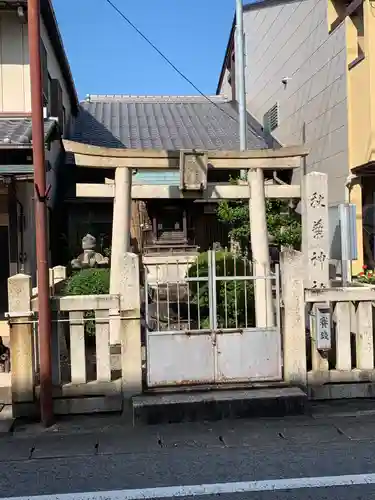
(167,60)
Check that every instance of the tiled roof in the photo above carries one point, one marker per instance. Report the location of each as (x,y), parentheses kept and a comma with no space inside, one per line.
(18,131)
(163,122)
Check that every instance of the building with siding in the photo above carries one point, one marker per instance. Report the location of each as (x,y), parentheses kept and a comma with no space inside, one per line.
(309,73)
(17,226)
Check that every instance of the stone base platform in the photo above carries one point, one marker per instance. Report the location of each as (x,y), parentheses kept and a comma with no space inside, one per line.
(218,405)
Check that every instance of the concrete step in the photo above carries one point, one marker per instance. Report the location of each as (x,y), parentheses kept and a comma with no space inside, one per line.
(5,389)
(218,405)
(6,419)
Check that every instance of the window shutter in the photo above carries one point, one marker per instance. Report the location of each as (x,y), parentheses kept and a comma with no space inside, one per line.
(271,119)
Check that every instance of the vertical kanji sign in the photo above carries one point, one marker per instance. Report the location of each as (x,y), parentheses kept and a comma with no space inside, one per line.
(316,230)
(323,327)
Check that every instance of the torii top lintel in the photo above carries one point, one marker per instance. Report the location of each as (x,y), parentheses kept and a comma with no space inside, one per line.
(87,155)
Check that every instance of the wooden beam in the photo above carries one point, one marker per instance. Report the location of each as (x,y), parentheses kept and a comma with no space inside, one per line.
(225,162)
(88,149)
(213,192)
(353,6)
(350,9)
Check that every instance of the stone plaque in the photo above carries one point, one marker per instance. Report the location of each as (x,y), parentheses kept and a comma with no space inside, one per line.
(193,170)
(323,327)
(315,230)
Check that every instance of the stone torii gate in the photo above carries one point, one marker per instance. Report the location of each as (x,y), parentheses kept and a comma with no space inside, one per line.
(193,167)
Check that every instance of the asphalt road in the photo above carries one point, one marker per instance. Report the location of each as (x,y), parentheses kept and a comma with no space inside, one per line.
(110,460)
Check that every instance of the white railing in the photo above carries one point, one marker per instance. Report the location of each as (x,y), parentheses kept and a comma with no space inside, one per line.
(345,370)
(83,364)
(57,276)
(89,373)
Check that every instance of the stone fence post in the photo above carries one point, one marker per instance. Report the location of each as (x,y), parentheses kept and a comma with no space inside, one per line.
(21,344)
(57,274)
(294,322)
(130,329)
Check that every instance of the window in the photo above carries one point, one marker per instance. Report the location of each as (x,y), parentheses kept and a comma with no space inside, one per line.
(357,47)
(336,11)
(48,103)
(62,125)
(271,119)
(57,108)
(45,79)
(351,11)
(231,67)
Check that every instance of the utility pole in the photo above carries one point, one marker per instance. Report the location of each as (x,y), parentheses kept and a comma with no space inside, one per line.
(40,194)
(240,78)
(257,202)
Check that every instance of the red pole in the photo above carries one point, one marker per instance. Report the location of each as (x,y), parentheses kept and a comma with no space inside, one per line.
(46,406)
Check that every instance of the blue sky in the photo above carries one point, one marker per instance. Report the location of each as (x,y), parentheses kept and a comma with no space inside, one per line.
(108,57)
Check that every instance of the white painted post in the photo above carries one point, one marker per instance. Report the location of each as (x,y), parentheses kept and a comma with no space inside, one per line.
(364,337)
(103,355)
(294,333)
(120,239)
(131,353)
(260,250)
(77,348)
(343,347)
(56,275)
(59,274)
(21,339)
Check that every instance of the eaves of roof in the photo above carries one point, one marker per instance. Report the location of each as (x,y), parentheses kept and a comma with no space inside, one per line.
(227,54)
(16,133)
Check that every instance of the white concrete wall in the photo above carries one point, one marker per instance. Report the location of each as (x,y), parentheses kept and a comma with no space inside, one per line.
(290,39)
(14,65)
(14,70)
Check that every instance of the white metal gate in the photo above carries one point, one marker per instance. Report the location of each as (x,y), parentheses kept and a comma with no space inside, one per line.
(200,323)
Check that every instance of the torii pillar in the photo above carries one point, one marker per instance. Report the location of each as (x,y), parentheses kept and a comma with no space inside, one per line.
(121,222)
(121,241)
(264,316)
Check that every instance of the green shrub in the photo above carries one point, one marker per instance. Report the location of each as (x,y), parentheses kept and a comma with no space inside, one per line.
(88,282)
(234,298)
(282,224)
